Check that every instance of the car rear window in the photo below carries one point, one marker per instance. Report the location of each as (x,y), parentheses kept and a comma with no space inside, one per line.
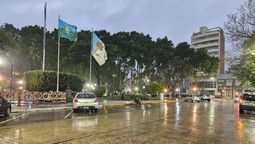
(249,97)
(86,95)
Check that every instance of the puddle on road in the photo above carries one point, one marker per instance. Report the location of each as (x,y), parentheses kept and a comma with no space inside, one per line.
(31,117)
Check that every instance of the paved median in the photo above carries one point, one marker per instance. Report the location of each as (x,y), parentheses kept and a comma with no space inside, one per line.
(52,108)
(143,102)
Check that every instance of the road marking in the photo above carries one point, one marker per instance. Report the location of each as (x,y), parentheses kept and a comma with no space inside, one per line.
(105,109)
(68,114)
(2,122)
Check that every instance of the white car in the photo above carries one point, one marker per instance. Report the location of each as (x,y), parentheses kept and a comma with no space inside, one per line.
(205,98)
(195,99)
(85,101)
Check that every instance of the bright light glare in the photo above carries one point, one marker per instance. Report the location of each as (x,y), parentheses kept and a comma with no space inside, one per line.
(20,82)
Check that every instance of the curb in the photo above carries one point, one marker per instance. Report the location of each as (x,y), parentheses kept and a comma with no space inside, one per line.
(128,104)
(41,109)
(70,108)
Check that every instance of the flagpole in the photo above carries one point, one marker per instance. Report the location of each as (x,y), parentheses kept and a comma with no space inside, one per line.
(44,35)
(58,60)
(90,58)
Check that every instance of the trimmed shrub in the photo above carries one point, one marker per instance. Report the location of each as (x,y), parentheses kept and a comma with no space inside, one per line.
(39,80)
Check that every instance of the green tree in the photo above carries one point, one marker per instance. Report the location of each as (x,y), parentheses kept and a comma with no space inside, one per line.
(240,28)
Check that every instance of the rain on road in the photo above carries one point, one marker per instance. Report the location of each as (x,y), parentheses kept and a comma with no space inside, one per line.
(215,122)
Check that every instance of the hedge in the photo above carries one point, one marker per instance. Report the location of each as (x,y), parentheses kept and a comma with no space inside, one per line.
(38,80)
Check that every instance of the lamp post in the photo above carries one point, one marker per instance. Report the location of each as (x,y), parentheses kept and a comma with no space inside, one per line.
(179,91)
(113,88)
(194,89)
(11,73)
(20,84)
(212,78)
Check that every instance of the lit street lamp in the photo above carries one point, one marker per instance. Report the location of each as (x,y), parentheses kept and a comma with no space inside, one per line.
(179,91)
(194,89)
(165,90)
(136,89)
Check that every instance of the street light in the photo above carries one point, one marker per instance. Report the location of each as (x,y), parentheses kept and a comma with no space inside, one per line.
(136,89)
(179,91)
(20,82)
(165,90)
(194,89)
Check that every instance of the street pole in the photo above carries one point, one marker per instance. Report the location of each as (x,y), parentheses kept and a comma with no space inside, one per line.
(58,59)
(44,36)
(11,75)
(90,56)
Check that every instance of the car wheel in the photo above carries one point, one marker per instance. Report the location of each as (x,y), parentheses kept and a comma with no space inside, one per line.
(95,110)
(209,100)
(241,111)
(8,111)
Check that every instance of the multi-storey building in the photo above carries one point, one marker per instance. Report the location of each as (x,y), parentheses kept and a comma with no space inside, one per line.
(212,40)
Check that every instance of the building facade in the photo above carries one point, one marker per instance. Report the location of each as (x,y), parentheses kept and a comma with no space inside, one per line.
(211,40)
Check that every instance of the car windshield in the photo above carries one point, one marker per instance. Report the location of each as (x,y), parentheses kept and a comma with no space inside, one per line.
(86,95)
(249,97)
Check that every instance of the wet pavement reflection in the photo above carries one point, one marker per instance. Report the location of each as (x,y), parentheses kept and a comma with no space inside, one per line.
(214,122)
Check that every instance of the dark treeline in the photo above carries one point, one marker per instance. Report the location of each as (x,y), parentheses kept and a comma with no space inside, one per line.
(132,56)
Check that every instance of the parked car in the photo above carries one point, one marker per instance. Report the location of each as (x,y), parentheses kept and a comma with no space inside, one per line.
(188,98)
(85,101)
(205,98)
(191,98)
(212,97)
(5,107)
(237,99)
(196,99)
(247,103)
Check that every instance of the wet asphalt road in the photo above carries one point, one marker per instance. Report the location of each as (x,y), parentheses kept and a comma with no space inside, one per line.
(216,122)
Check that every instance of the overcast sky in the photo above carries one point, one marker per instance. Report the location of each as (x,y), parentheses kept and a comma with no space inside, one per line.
(176,19)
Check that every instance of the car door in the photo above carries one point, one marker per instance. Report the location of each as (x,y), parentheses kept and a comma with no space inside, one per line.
(249,100)
(1,105)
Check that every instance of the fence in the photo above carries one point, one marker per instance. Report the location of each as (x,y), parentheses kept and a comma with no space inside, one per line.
(36,97)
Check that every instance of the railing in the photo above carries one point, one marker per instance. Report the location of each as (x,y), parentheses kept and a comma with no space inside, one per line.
(36,97)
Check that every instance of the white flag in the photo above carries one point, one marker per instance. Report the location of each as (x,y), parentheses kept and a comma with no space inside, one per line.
(98,50)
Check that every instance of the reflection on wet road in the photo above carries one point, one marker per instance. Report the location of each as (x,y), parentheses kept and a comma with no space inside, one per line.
(215,122)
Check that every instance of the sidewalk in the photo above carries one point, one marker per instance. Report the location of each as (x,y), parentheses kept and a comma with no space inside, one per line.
(40,107)
(68,106)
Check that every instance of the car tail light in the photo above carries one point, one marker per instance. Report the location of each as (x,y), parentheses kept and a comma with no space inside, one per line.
(75,100)
(96,100)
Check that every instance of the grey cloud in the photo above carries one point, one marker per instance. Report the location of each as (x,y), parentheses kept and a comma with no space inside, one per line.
(177,19)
